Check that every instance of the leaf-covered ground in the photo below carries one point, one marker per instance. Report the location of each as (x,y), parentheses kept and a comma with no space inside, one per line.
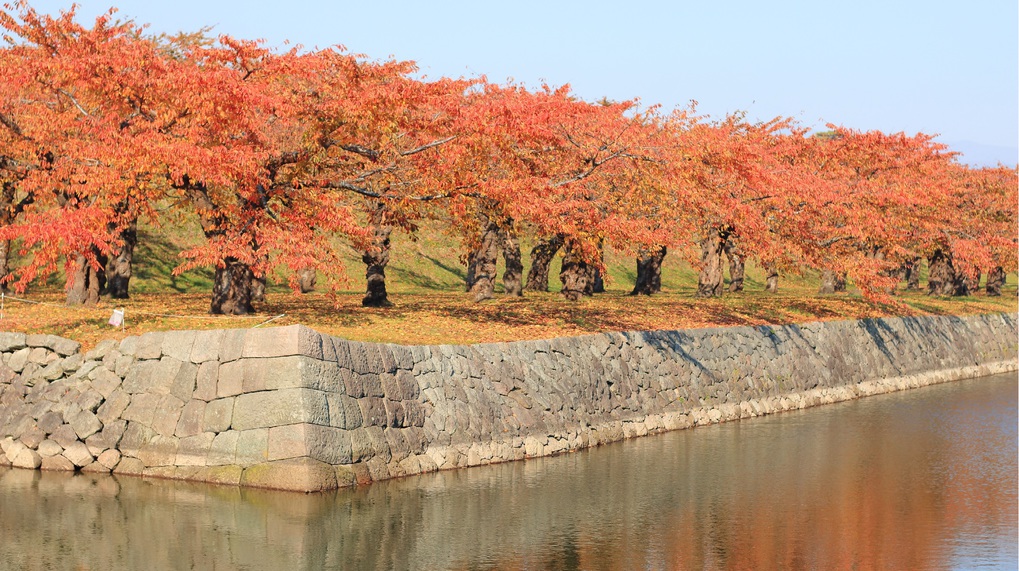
(446,317)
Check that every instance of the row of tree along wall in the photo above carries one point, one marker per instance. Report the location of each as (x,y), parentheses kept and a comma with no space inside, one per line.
(289,408)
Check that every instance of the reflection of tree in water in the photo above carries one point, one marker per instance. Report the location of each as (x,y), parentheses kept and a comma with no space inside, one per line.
(882,483)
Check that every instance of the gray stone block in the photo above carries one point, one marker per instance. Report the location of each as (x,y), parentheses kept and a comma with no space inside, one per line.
(150,346)
(105,381)
(252,446)
(11,342)
(139,377)
(101,350)
(85,424)
(218,415)
(50,421)
(64,435)
(224,449)
(282,341)
(230,379)
(142,408)
(194,450)
(56,464)
(278,408)
(184,382)
(49,448)
(373,411)
(206,346)
(167,415)
(323,443)
(109,459)
(114,406)
(207,381)
(159,451)
(78,454)
(128,346)
(232,345)
(343,411)
(192,419)
(89,400)
(178,344)
(19,359)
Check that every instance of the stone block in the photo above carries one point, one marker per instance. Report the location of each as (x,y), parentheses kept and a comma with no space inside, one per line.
(279,408)
(72,363)
(64,435)
(128,346)
(129,466)
(78,454)
(373,411)
(231,345)
(108,437)
(57,463)
(252,446)
(135,436)
(164,374)
(343,411)
(194,450)
(85,424)
(33,437)
(89,400)
(52,371)
(206,346)
(49,448)
(14,448)
(227,475)
(207,380)
(167,415)
(218,415)
(230,379)
(178,345)
(139,377)
(114,406)
(109,459)
(101,350)
(184,383)
(142,408)
(19,359)
(150,346)
(324,443)
(224,449)
(159,451)
(11,342)
(282,341)
(192,419)
(298,475)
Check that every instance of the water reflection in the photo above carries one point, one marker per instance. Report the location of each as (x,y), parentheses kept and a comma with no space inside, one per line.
(919,480)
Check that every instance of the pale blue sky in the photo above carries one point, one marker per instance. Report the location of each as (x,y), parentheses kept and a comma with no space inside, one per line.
(945,67)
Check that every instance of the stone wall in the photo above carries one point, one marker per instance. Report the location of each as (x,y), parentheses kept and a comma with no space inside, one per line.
(289,408)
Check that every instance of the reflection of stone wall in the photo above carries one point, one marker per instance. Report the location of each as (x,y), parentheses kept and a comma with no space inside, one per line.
(290,408)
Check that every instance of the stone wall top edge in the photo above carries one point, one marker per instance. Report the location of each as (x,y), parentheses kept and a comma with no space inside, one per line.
(300,339)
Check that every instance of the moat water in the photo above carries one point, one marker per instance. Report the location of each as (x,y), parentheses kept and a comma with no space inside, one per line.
(924,479)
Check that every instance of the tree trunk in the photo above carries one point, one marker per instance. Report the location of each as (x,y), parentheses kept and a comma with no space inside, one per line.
(375,261)
(649,271)
(485,259)
(306,279)
(575,275)
(86,282)
(541,257)
(595,283)
(118,269)
(234,289)
(911,274)
(831,282)
(511,279)
(771,281)
(942,278)
(5,263)
(737,267)
(710,282)
(995,281)
(972,283)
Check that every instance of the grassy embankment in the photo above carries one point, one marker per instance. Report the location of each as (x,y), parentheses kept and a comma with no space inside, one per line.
(425,281)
